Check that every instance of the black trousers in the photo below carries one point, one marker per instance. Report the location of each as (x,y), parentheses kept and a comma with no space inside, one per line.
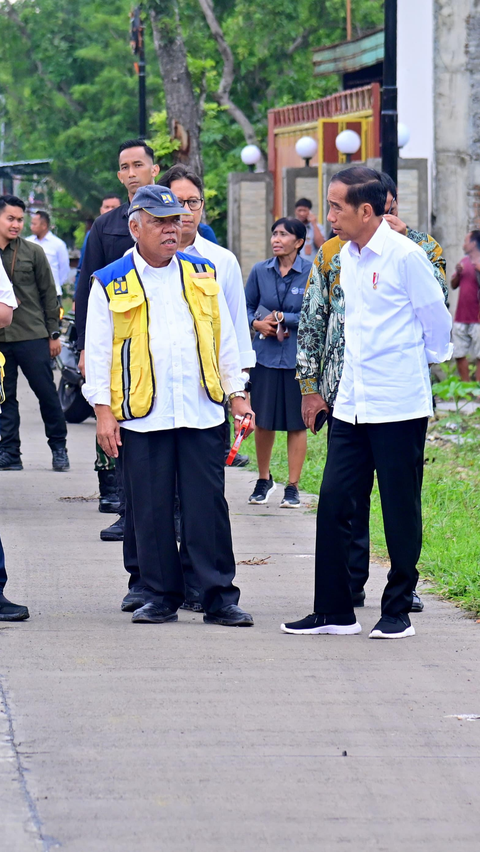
(33,358)
(359,558)
(152,463)
(395,451)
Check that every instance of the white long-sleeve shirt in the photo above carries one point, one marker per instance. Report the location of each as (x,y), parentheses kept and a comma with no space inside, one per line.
(229,276)
(180,399)
(7,296)
(57,256)
(396,323)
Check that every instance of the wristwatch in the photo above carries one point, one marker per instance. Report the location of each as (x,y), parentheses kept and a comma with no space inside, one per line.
(237,393)
(54,335)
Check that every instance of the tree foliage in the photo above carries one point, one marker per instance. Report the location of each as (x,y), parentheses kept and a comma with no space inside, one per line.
(69,91)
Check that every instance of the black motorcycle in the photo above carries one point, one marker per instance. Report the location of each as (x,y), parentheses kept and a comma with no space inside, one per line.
(74,405)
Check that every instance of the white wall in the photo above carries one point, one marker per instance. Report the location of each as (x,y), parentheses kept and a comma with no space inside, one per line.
(415,80)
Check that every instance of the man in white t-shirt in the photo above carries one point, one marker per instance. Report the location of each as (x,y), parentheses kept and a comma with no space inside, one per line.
(8,611)
(55,249)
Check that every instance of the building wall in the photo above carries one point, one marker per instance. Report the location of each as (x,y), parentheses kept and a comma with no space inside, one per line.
(457,115)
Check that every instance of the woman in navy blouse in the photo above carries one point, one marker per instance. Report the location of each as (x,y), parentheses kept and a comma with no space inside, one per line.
(274,294)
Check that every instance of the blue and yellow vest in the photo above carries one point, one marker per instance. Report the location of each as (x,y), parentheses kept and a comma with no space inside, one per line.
(133,371)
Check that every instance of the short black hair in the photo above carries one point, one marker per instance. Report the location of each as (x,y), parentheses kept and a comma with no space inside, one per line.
(475,237)
(137,143)
(389,184)
(43,215)
(11,201)
(181,172)
(293,226)
(303,202)
(364,187)
(111,195)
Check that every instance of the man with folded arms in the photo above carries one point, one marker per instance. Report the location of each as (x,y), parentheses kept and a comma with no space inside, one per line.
(160,356)
(396,323)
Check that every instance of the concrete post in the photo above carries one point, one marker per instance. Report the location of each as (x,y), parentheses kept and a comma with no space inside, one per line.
(250,217)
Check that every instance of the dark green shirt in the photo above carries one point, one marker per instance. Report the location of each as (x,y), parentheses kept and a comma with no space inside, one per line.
(37,314)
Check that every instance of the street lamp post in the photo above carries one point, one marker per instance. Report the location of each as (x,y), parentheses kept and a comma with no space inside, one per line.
(348,142)
(137,42)
(250,155)
(389,115)
(306,148)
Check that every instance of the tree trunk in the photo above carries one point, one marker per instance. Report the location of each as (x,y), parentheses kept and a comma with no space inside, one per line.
(183,112)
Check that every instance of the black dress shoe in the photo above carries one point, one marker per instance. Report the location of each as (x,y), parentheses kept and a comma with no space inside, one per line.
(358,598)
(152,613)
(229,616)
(60,460)
(133,600)
(417,603)
(9,463)
(115,531)
(12,612)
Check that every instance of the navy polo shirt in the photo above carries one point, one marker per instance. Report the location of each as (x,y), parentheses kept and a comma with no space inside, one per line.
(265,286)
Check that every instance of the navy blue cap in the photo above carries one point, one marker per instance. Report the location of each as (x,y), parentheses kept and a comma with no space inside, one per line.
(158,201)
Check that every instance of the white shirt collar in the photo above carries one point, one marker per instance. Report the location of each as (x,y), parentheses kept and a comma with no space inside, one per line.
(142,264)
(376,241)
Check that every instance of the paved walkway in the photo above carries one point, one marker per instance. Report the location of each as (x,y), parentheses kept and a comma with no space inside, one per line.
(117,737)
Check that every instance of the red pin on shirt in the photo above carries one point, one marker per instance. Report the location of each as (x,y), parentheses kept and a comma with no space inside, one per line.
(375,280)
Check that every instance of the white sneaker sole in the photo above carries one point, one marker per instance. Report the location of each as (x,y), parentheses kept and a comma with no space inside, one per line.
(377,634)
(285,505)
(333,629)
(265,499)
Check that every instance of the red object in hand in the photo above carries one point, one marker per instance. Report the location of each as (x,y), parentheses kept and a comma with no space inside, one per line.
(238,440)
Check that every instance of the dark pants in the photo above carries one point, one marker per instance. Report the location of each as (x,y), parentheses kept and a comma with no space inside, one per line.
(395,451)
(195,459)
(3,571)
(33,358)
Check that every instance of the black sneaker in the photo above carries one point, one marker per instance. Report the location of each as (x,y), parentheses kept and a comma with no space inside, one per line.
(291,498)
(393,628)
(192,606)
(12,612)
(358,598)
(240,461)
(320,622)
(263,489)
(417,603)
(115,531)
(60,460)
(9,463)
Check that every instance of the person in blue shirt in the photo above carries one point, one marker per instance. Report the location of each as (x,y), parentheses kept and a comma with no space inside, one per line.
(274,294)
(207,232)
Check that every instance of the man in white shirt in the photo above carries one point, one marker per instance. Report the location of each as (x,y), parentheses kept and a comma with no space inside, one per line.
(396,323)
(8,611)
(55,249)
(164,372)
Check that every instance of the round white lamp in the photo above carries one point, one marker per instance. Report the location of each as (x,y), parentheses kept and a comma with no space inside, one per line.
(306,148)
(403,134)
(251,155)
(348,142)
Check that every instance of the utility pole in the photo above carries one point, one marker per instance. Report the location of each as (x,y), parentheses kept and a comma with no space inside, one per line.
(389,116)
(137,43)
(349,20)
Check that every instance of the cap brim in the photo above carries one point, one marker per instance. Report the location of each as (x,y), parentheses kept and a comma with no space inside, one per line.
(164,213)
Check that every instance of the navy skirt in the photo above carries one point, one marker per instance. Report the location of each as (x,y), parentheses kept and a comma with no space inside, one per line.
(276,399)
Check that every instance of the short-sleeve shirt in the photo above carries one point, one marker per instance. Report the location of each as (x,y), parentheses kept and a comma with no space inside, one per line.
(468,305)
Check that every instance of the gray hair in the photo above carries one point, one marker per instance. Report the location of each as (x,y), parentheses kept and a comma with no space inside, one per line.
(136,216)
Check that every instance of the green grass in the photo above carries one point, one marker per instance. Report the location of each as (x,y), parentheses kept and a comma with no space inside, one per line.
(450,557)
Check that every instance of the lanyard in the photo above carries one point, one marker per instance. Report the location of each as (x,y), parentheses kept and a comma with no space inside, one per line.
(281,302)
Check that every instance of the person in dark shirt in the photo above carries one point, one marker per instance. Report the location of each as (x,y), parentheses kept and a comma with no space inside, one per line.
(274,294)
(108,240)
(31,341)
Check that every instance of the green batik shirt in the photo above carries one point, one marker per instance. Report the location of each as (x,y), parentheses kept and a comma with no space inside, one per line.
(321,330)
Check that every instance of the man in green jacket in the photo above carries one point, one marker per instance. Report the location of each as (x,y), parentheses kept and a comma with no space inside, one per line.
(31,341)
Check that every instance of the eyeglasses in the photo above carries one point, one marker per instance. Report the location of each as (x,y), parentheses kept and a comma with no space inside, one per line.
(193,203)
(393,201)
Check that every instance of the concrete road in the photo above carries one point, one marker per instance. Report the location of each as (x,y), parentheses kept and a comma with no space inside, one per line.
(118,737)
